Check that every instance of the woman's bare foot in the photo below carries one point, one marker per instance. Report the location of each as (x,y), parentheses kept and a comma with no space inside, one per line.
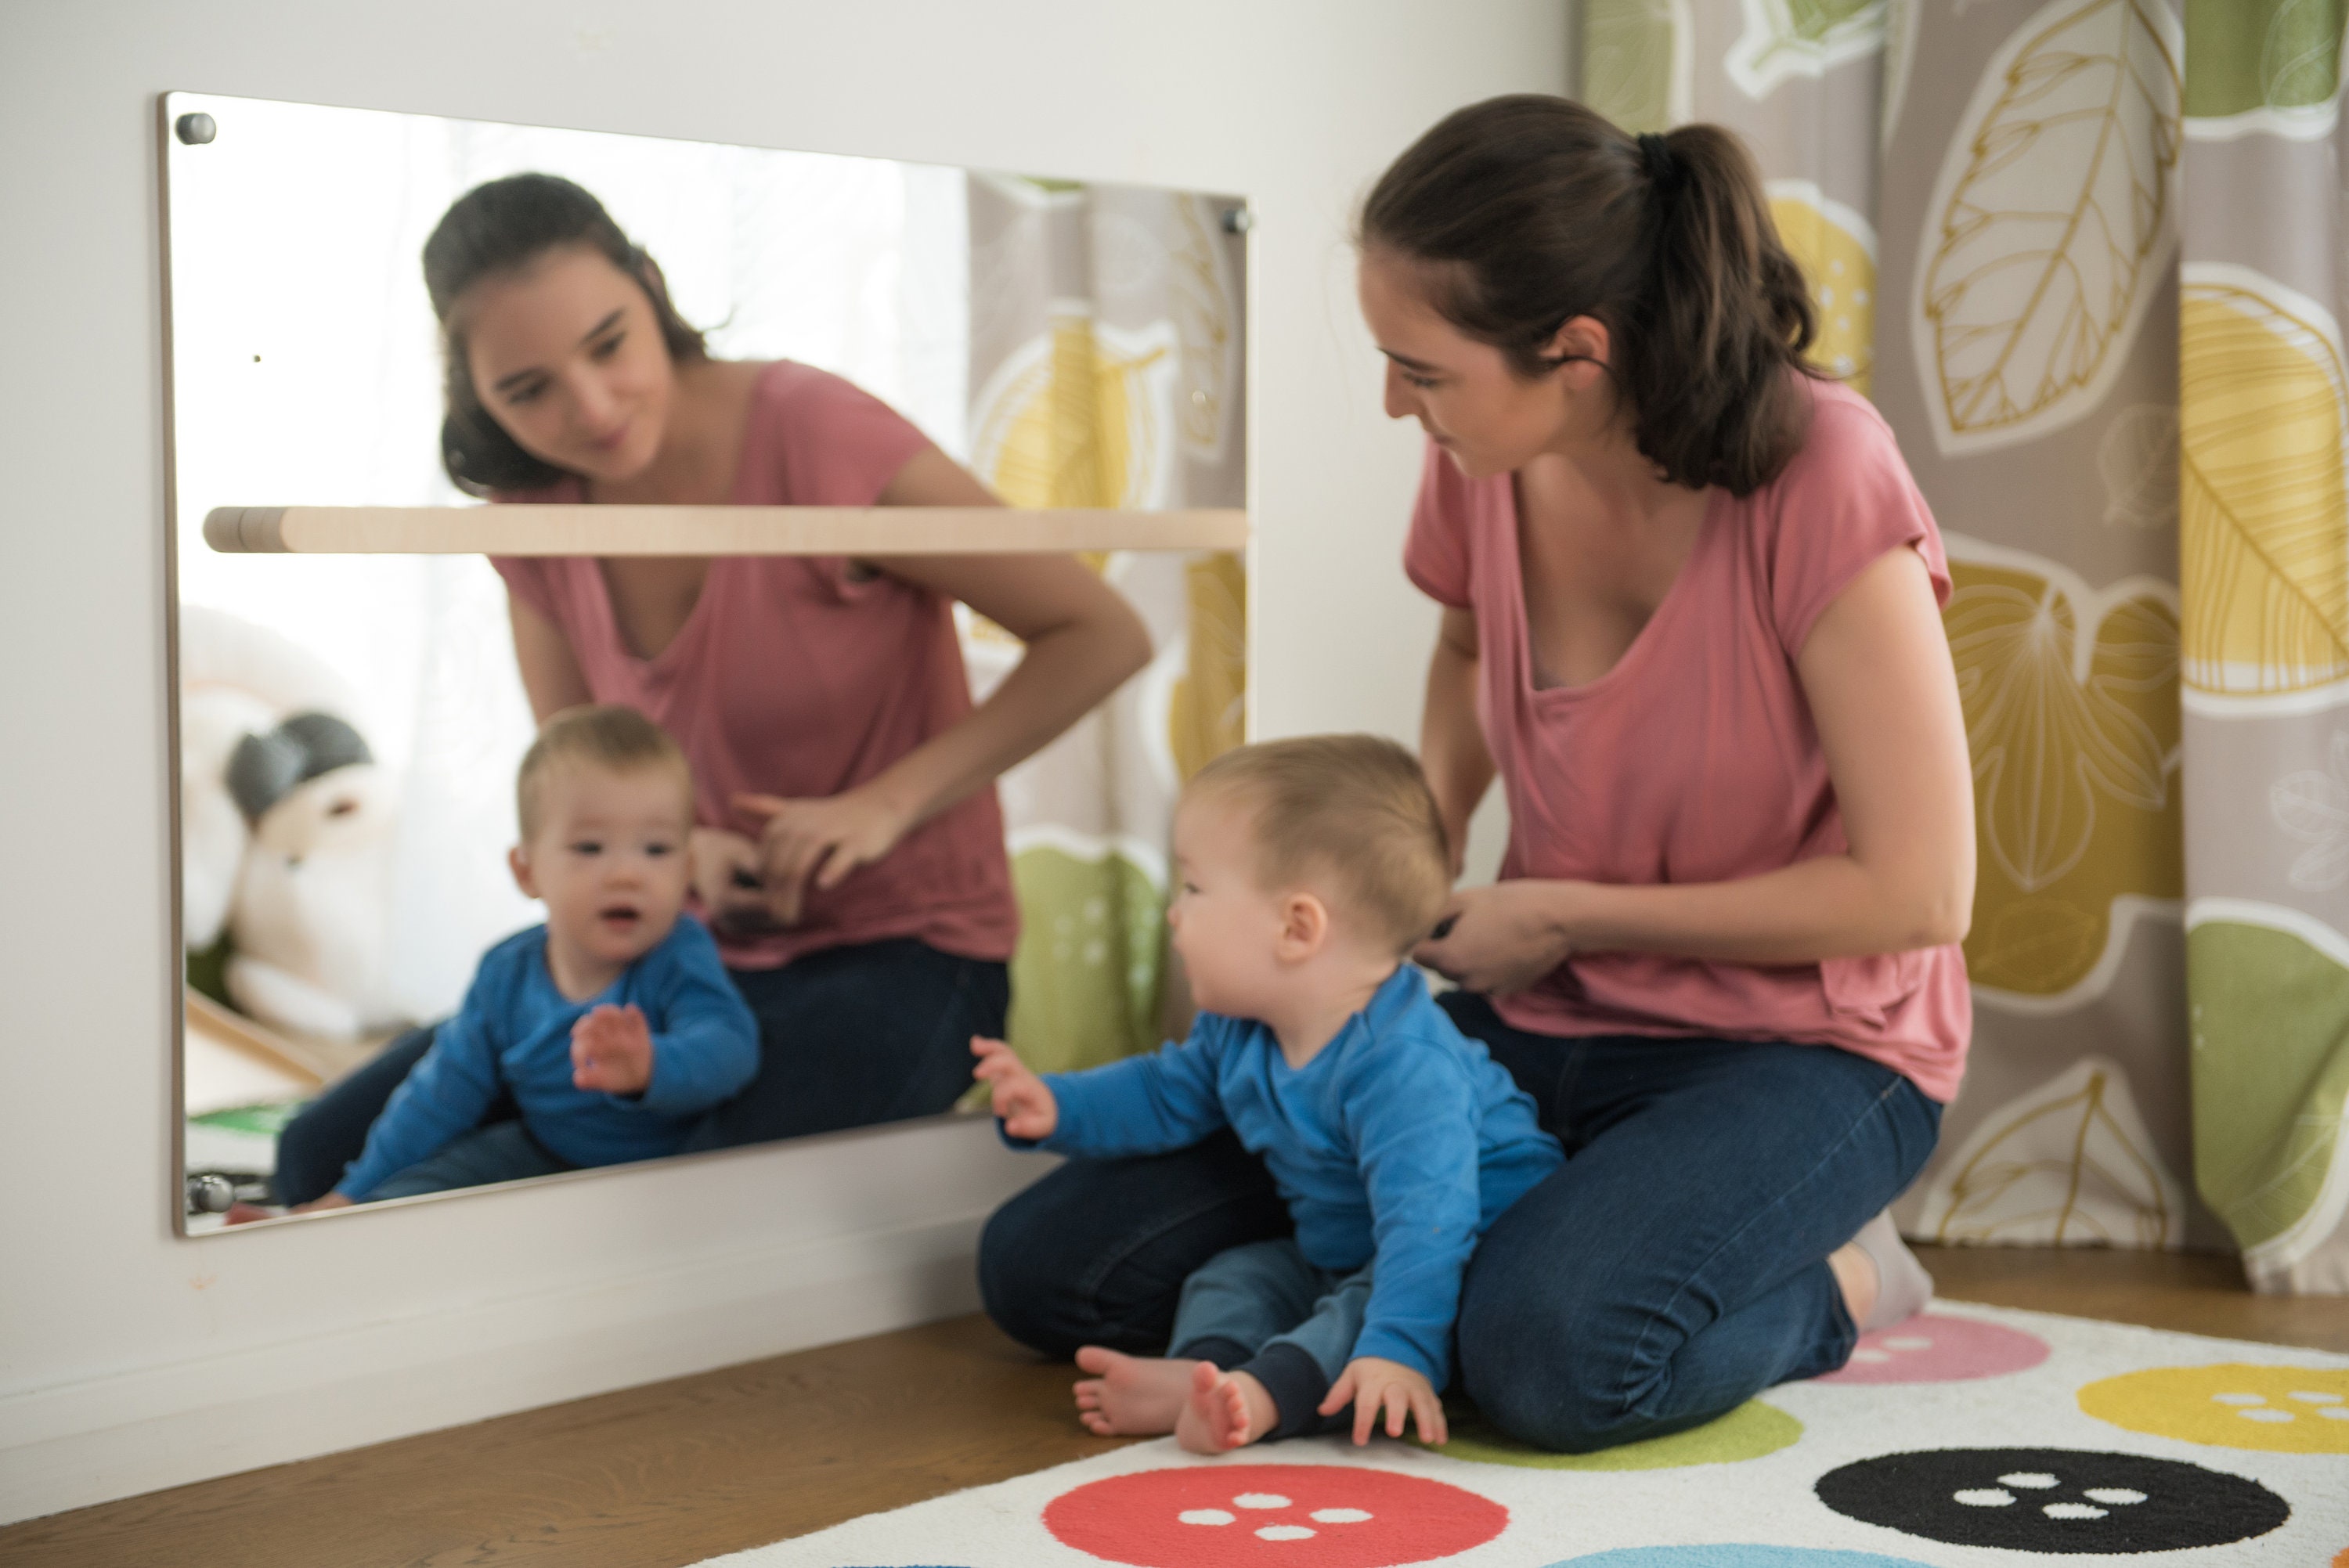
(1226,1410)
(1133,1396)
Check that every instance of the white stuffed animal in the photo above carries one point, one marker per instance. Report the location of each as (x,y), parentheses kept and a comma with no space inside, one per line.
(286,830)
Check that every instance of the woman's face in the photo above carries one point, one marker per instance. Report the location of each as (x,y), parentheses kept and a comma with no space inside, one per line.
(1464,394)
(565,354)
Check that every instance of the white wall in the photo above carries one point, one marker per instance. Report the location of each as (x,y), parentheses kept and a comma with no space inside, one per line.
(129,1359)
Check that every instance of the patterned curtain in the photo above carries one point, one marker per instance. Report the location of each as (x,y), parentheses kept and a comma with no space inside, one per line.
(1987,197)
(1107,368)
(2265,547)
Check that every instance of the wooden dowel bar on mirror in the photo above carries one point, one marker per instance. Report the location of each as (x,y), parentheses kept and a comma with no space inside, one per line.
(582,530)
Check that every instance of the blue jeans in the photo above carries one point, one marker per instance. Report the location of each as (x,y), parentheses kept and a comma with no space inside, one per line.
(501,1151)
(1266,1310)
(847,1038)
(1673,1267)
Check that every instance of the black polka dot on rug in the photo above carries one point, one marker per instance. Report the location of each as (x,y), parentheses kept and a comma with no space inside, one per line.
(2052,1500)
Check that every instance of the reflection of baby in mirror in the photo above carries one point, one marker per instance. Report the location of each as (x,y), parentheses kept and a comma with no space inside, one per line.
(612,1026)
(1308,868)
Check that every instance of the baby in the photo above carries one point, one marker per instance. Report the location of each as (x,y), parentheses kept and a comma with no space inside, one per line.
(614,1025)
(1308,868)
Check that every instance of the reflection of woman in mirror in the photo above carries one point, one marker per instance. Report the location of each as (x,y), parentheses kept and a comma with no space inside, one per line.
(1691,623)
(850,851)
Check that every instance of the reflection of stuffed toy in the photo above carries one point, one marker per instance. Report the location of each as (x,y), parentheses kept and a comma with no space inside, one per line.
(286,827)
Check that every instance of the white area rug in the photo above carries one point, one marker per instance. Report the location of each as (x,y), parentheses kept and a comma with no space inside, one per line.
(1969,1436)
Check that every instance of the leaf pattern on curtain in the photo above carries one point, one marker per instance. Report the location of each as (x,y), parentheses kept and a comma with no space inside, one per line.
(2071,1163)
(1786,38)
(2052,221)
(1836,248)
(1636,59)
(2264,516)
(2074,737)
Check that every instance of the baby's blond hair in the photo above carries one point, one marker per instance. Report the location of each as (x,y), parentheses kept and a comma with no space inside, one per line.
(603,736)
(1354,809)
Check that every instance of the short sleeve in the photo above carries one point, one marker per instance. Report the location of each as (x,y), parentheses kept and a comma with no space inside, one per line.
(1845,499)
(826,442)
(1435,556)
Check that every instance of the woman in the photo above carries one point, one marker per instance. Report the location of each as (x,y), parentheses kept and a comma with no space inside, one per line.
(850,850)
(1691,621)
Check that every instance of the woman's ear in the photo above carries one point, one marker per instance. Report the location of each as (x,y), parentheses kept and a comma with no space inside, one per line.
(1304,926)
(1583,345)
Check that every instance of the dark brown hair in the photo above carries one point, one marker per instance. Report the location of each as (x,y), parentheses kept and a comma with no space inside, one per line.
(1528,211)
(1353,807)
(502,227)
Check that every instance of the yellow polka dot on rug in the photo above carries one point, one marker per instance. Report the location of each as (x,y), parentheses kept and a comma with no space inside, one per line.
(1748,1433)
(2235,1404)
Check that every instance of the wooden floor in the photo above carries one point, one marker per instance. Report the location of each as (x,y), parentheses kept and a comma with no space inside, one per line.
(678,1471)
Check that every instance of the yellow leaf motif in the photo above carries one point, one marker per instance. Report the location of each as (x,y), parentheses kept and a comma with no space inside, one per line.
(2263,518)
(1836,248)
(1071,420)
(2054,201)
(1207,713)
(2070,1162)
(2072,739)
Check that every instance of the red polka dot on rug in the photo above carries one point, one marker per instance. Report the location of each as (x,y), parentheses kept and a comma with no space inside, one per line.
(1931,1349)
(1304,1516)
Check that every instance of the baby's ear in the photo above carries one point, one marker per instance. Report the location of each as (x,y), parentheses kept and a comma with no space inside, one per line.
(519,863)
(1304,925)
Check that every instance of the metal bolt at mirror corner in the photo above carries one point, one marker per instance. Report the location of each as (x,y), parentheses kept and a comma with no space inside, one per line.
(194,129)
(1239,219)
(210,1193)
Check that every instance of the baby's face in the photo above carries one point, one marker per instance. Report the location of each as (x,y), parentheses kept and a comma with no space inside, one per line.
(1226,927)
(608,857)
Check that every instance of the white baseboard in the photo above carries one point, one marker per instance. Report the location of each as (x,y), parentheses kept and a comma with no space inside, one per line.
(71,1445)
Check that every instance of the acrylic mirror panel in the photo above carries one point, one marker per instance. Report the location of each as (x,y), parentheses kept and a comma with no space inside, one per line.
(1070,344)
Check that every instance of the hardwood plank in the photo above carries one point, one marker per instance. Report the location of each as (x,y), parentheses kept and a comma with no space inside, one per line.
(584,530)
(677,1471)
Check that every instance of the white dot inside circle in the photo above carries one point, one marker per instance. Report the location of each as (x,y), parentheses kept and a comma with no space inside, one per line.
(1204,1516)
(1337,1516)
(1260,1499)
(2335,1412)
(2072,1510)
(2308,1398)
(1909,1342)
(2115,1494)
(1868,1356)
(2237,1399)
(1284,1532)
(2033,1480)
(1983,1497)
(2265,1414)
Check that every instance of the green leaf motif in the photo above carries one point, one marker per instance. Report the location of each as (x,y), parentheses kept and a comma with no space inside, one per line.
(1087,976)
(1812,20)
(2247,55)
(2271,1069)
(1630,55)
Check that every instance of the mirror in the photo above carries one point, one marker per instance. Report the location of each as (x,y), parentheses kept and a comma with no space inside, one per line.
(349,727)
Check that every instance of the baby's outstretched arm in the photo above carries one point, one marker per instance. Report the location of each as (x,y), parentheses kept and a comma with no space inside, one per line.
(612,1050)
(1377,1387)
(1023,1101)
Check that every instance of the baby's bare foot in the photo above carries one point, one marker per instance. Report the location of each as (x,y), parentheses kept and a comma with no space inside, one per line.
(1224,1410)
(1135,1395)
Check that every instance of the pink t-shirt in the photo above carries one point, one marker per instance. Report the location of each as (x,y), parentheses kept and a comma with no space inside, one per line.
(1695,759)
(793,677)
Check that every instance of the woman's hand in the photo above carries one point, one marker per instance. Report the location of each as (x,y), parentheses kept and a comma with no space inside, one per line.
(723,867)
(1376,1387)
(818,842)
(1021,1099)
(1503,938)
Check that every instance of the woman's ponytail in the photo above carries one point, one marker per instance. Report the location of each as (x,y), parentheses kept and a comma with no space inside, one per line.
(1535,209)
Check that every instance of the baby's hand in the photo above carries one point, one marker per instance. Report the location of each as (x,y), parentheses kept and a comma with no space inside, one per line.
(1023,1099)
(1374,1384)
(612,1050)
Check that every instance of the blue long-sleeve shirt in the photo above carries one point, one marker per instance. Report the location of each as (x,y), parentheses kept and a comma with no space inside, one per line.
(1401,1141)
(514,1031)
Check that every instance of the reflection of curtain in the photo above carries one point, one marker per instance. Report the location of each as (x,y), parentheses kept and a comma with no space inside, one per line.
(2017,326)
(2265,550)
(1106,367)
